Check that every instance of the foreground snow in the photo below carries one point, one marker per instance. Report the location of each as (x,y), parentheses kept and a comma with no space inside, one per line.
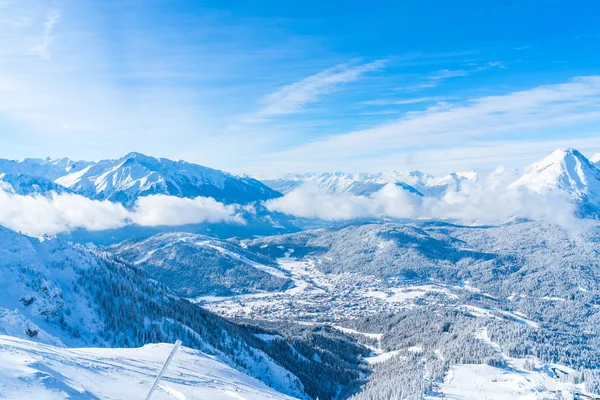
(30,370)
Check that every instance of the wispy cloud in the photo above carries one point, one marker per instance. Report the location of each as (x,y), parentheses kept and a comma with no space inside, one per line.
(294,98)
(489,119)
(400,102)
(437,77)
(447,74)
(42,49)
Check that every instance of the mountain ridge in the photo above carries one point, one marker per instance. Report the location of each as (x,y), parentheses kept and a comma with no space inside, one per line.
(125,179)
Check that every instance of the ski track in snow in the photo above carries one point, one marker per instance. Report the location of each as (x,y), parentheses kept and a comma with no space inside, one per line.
(31,370)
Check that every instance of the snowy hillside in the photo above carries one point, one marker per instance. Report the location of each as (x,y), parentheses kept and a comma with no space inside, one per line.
(64,295)
(195,265)
(32,370)
(595,158)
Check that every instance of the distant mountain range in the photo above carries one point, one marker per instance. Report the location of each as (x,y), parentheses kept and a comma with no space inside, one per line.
(566,172)
(26,185)
(135,175)
(416,182)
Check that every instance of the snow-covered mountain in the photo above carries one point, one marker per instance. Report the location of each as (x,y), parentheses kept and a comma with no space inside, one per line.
(595,159)
(48,168)
(31,185)
(197,265)
(566,172)
(134,175)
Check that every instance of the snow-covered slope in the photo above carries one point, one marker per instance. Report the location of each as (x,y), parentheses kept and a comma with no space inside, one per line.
(595,159)
(31,370)
(135,175)
(566,172)
(64,295)
(195,265)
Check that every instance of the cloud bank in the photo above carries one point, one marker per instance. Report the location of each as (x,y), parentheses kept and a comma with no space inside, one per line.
(484,201)
(37,215)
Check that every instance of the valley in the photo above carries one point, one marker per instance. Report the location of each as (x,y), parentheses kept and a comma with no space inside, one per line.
(366,309)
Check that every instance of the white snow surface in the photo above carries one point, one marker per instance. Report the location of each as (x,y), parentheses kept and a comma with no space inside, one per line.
(480,381)
(379,358)
(515,382)
(32,370)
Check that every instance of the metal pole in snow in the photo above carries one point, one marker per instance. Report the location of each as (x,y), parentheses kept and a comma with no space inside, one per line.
(164,368)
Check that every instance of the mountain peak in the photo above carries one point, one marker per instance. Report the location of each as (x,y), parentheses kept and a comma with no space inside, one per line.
(563,153)
(564,171)
(563,161)
(138,156)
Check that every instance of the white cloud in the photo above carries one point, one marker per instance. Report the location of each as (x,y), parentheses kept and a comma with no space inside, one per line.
(447,74)
(414,100)
(435,79)
(169,210)
(293,98)
(491,201)
(38,215)
(311,201)
(487,200)
(42,49)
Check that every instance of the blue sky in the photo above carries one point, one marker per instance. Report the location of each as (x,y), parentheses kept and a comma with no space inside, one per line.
(266,87)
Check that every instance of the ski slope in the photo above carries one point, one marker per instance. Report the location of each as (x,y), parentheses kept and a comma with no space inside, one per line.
(30,370)
(480,381)
(517,380)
